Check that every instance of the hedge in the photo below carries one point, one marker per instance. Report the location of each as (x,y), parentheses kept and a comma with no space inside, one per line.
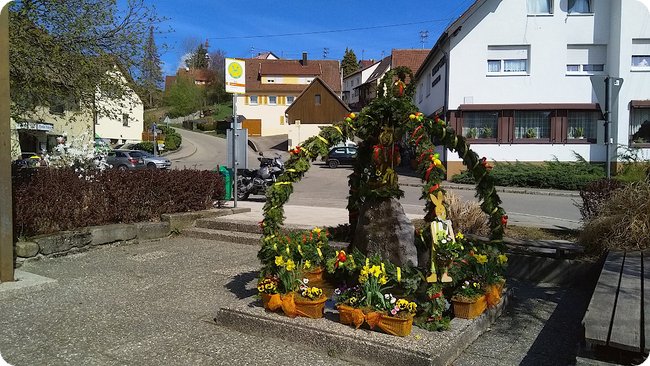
(550,174)
(49,200)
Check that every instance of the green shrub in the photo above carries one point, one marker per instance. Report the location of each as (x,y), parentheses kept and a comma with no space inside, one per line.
(622,222)
(144,145)
(173,139)
(206,126)
(550,174)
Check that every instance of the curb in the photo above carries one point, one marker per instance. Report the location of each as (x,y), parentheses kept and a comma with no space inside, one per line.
(363,346)
(532,191)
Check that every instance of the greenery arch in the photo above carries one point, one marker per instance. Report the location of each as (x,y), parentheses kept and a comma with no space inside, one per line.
(391,115)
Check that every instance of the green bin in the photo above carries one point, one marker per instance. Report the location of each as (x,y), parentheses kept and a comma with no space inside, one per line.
(225,172)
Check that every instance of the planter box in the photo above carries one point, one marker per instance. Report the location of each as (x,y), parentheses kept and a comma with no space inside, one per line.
(469,310)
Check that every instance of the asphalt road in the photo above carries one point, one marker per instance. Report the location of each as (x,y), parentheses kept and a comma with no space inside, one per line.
(327,187)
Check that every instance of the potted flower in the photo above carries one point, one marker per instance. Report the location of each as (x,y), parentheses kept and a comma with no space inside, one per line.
(347,303)
(531,133)
(313,247)
(268,288)
(578,133)
(494,278)
(486,132)
(469,300)
(471,133)
(398,317)
(310,301)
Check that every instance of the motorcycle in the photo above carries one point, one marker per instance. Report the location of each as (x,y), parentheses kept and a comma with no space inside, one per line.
(255,181)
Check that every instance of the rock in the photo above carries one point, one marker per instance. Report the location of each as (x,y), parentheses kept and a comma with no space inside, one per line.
(152,230)
(62,242)
(383,228)
(26,249)
(111,233)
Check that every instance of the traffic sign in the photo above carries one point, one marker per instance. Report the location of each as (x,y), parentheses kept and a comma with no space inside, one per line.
(235,76)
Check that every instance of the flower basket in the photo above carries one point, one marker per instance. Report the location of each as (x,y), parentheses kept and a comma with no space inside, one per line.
(469,310)
(396,326)
(493,293)
(310,308)
(350,316)
(315,276)
(267,299)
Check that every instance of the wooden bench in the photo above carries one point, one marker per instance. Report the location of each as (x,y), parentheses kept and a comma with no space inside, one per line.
(618,315)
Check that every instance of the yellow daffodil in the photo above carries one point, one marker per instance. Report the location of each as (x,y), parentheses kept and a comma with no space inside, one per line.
(502,258)
(290,265)
(307,264)
(382,280)
(481,258)
(320,254)
(399,274)
(279,260)
(317,230)
(460,236)
(299,249)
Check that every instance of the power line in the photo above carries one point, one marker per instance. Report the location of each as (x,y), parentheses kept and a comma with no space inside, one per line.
(333,30)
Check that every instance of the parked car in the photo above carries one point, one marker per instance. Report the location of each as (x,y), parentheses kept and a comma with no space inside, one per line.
(29,160)
(151,161)
(341,156)
(125,160)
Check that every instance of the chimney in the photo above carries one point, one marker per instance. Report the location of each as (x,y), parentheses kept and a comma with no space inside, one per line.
(304,59)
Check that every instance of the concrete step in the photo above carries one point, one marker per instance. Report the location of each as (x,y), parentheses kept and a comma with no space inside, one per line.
(242,226)
(223,235)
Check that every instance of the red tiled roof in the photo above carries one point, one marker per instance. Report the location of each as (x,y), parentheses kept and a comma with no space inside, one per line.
(195,74)
(328,70)
(365,63)
(412,58)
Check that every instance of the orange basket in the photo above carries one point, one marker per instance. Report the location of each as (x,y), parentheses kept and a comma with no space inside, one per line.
(396,326)
(314,276)
(350,316)
(493,294)
(310,308)
(469,310)
(266,299)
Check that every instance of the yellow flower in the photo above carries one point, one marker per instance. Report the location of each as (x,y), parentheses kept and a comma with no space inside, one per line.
(502,258)
(279,261)
(290,265)
(412,307)
(399,274)
(307,264)
(317,230)
(288,251)
(460,235)
(375,271)
(320,254)
(299,249)
(481,258)
(363,278)
(402,304)
(275,246)
(382,280)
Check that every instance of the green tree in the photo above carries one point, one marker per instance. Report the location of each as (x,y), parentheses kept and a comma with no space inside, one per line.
(198,59)
(183,98)
(66,50)
(216,90)
(349,63)
(151,74)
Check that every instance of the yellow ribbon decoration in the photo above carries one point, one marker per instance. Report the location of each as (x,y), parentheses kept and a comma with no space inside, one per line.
(291,170)
(399,274)
(299,249)
(281,183)
(339,129)
(320,254)
(322,139)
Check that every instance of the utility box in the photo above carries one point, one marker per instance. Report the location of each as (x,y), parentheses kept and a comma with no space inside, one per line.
(227,178)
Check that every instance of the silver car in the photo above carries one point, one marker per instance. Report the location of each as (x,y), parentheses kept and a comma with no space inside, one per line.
(125,160)
(152,162)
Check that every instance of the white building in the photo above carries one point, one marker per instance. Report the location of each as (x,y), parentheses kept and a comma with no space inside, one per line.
(122,119)
(352,83)
(524,79)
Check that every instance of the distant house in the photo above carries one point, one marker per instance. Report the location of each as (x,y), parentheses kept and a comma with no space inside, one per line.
(199,77)
(411,58)
(267,56)
(353,82)
(536,91)
(115,120)
(273,85)
(317,106)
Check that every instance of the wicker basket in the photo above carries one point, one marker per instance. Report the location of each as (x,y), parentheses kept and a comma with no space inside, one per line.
(397,326)
(350,316)
(469,310)
(310,308)
(493,294)
(266,298)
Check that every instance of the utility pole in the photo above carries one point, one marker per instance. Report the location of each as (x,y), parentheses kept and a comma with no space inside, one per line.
(326,52)
(423,37)
(612,87)
(6,203)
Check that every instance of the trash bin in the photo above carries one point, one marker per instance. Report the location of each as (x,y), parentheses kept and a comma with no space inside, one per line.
(225,172)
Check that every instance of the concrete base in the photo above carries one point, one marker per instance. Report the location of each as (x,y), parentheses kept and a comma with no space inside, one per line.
(364,346)
(24,279)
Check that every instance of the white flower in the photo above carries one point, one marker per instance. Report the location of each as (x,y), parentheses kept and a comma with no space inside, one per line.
(387,296)
(305,281)
(393,300)
(337,292)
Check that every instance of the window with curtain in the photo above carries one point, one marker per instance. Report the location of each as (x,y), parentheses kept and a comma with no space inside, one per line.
(640,125)
(477,125)
(579,6)
(504,60)
(582,124)
(532,124)
(540,6)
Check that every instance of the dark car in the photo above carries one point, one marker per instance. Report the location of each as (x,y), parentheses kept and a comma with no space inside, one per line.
(125,160)
(29,160)
(341,156)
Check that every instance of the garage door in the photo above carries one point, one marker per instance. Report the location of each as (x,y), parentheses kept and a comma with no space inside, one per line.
(254,126)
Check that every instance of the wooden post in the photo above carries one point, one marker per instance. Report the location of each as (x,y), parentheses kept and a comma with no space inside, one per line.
(6,211)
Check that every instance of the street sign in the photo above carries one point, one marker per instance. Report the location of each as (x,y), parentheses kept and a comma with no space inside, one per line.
(241,147)
(235,76)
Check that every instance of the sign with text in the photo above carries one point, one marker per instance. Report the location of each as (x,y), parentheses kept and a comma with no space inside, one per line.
(235,76)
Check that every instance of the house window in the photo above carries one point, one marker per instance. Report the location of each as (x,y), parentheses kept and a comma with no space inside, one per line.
(641,54)
(273,100)
(532,124)
(579,7)
(536,7)
(290,99)
(435,81)
(641,62)
(582,124)
(480,125)
(586,59)
(640,125)
(317,99)
(507,60)
(253,99)
(125,120)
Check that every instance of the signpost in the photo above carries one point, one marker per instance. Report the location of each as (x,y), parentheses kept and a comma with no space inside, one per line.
(6,211)
(235,84)
(154,127)
(612,87)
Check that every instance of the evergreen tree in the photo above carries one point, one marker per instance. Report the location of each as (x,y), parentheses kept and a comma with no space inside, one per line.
(151,76)
(349,63)
(198,59)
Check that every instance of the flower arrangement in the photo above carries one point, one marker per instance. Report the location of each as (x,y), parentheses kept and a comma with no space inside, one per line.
(468,291)
(350,296)
(287,274)
(404,308)
(267,285)
(372,278)
(311,293)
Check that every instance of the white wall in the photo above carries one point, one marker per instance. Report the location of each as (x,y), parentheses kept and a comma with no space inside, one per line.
(110,124)
(436,99)
(300,133)
(271,115)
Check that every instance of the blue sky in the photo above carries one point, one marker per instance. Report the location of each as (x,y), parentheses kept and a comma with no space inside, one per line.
(221,21)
